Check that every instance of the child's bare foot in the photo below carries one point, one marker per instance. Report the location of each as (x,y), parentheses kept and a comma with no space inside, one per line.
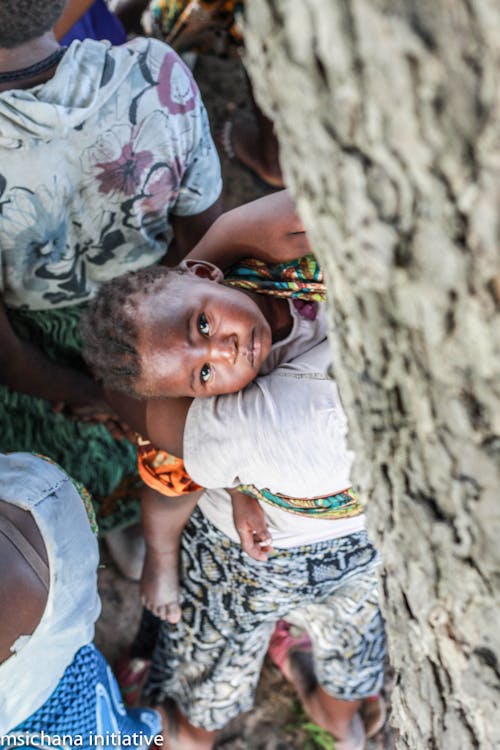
(160,584)
(243,139)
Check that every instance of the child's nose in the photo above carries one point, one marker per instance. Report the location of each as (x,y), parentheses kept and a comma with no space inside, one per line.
(225,348)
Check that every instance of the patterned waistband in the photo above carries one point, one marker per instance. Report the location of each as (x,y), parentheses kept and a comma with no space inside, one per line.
(343,504)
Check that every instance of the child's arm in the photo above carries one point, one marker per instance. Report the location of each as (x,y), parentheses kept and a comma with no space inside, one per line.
(161,421)
(268,229)
(163,520)
(251,525)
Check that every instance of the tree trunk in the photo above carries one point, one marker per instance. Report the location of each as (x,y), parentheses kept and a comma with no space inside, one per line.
(387,114)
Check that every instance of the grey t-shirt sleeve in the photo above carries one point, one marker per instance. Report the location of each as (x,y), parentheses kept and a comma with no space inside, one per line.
(202,181)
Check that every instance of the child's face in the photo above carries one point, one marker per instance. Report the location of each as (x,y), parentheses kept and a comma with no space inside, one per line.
(199,338)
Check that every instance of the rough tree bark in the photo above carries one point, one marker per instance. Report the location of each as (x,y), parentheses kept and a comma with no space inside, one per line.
(387,114)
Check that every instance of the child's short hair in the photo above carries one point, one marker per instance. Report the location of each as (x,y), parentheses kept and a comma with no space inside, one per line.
(24,20)
(109,330)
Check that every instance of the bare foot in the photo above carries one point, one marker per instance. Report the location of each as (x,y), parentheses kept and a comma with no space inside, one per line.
(160,584)
(180,734)
(293,657)
(355,738)
(373,714)
(243,139)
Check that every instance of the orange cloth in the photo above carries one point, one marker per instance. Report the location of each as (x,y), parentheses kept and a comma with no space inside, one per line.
(163,472)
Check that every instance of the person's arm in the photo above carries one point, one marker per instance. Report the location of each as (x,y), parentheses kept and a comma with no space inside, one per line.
(73,11)
(161,421)
(189,230)
(163,520)
(268,228)
(25,368)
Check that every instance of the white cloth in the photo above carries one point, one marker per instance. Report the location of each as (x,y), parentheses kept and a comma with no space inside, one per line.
(31,674)
(285,432)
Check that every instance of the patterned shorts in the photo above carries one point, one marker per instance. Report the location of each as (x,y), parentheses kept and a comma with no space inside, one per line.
(210,662)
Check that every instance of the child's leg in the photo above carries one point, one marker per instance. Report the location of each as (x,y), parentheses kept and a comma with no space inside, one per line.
(163,519)
(347,633)
(338,717)
(210,662)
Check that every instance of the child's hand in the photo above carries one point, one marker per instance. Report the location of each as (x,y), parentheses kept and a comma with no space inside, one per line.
(160,584)
(251,525)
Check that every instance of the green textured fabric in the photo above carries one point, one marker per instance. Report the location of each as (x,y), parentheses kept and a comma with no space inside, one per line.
(105,466)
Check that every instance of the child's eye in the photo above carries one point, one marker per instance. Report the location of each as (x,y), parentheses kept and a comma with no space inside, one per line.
(203,326)
(205,373)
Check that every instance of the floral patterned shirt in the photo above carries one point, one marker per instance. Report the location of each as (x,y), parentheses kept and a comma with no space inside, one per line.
(92,165)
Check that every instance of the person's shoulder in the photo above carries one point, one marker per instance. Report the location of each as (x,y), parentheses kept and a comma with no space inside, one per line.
(152,49)
(142,45)
(26,478)
(312,363)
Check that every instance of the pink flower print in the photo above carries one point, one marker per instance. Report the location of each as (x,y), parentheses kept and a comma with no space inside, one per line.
(124,174)
(176,88)
(161,188)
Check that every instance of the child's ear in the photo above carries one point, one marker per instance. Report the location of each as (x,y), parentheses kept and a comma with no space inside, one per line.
(203,269)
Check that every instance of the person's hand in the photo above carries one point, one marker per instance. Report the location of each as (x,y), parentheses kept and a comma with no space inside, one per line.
(160,584)
(251,526)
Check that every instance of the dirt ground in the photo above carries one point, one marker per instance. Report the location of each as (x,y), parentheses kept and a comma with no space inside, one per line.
(275,723)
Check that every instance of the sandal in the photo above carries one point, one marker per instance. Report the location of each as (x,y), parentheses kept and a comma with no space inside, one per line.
(131,676)
(282,642)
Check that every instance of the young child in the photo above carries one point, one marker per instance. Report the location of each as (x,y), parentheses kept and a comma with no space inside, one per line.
(283,437)
(52,678)
(269,228)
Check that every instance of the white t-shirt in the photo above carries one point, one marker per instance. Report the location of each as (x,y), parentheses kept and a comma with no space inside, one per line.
(285,432)
(31,674)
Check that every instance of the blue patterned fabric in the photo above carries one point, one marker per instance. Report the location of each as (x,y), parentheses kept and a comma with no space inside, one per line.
(85,704)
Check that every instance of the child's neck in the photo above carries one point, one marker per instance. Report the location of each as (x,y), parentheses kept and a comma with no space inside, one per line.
(276,311)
